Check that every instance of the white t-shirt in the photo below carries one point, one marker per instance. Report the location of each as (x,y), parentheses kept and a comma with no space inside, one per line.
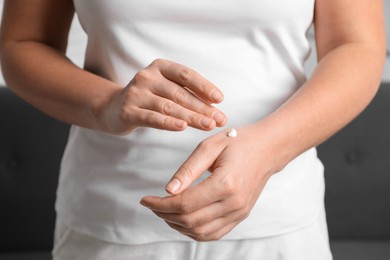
(252,50)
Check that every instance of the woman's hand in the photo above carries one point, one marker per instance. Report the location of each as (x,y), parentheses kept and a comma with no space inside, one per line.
(240,167)
(167,96)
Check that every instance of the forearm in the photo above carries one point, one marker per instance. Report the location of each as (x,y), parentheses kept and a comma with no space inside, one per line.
(154,97)
(344,82)
(44,77)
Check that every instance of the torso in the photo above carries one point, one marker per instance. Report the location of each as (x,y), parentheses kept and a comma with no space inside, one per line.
(252,50)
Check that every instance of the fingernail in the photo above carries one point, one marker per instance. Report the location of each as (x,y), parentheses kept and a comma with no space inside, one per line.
(173,186)
(219,117)
(216,96)
(206,122)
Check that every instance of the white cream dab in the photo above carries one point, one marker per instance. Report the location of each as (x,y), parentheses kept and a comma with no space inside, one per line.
(232,133)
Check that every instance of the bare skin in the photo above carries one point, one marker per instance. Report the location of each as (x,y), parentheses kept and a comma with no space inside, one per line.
(351,49)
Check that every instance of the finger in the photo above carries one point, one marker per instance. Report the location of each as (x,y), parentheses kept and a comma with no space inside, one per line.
(191,200)
(172,109)
(211,190)
(218,234)
(199,162)
(149,118)
(214,230)
(190,79)
(197,218)
(181,96)
(167,107)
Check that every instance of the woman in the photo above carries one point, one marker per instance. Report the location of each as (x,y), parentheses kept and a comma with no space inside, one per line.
(162,77)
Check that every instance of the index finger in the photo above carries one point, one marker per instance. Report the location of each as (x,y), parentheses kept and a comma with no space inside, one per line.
(191,200)
(191,80)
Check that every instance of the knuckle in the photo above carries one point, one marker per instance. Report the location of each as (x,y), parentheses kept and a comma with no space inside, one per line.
(205,145)
(240,206)
(141,77)
(151,119)
(185,74)
(204,86)
(184,206)
(148,117)
(180,96)
(199,233)
(207,110)
(165,123)
(229,186)
(127,114)
(167,107)
(241,203)
(239,200)
(157,62)
(124,114)
(244,213)
(187,222)
(193,119)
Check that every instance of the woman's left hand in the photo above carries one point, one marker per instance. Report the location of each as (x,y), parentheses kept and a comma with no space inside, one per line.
(240,167)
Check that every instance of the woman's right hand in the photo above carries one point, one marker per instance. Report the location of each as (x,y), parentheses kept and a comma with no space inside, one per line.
(165,95)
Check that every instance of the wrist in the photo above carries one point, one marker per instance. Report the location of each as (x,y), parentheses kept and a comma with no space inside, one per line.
(101,108)
(275,141)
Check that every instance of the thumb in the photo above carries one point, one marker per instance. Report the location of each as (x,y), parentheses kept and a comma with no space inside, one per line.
(199,161)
